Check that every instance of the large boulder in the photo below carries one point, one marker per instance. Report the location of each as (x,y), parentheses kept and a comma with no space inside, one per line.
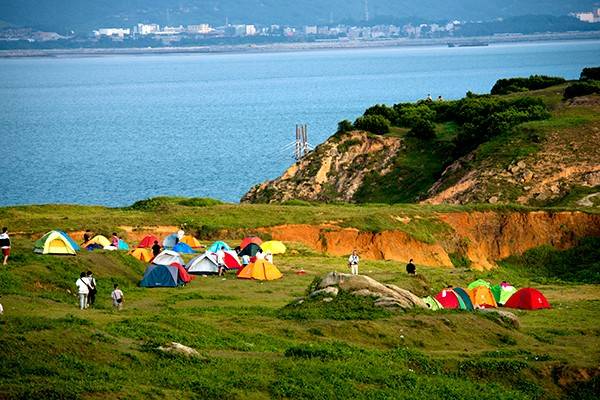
(361,285)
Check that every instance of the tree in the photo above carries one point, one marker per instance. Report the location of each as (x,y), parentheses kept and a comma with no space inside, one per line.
(423,129)
(373,123)
(345,126)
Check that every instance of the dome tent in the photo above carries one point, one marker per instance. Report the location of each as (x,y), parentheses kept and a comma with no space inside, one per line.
(170,241)
(54,242)
(464,296)
(261,270)
(161,276)
(528,299)
(148,241)
(70,239)
(204,264)
(250,239)
(502,293)
(432,303)
(216,246)
(449,299)
(168,257)
(478,282)
(142,254)
(191,241)
(183,248)
(482,297)
(250,250)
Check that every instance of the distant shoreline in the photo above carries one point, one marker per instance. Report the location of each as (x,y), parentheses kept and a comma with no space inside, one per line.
(296,47)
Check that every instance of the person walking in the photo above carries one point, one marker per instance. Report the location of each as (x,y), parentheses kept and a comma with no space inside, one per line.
(5,245)
(221,260)
(353,261)
(91,281)
(411,268)
(117,297)
(83,290)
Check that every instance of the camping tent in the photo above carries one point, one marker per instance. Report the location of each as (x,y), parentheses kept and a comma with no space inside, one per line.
(216,246)
(432,303)
(123,245)
(204,264)
(250,239)
(448,299)
(183,275)
(70,239)
(502,293)
(478,282)
(97,242)
(161,276)
(464,296)
(53,242)
(148,241)
(191,241)
(482,297)
(144,255)
(250,250)
(170,241)
(261,270)
(183,248)
(231,260)
(273,247)
(527,299)
(168,257)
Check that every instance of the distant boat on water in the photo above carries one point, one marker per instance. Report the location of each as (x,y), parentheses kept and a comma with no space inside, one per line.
(468,44)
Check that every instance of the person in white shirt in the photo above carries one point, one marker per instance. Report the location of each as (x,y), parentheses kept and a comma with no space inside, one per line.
(269,257)
(221,260)
(353,261)
(83,290)
(5,245)
(260,255)
(117,297)
(180,235)
(245,260)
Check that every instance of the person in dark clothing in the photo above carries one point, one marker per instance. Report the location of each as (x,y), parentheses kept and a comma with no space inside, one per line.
(92,288)
(411,268)
(156,248)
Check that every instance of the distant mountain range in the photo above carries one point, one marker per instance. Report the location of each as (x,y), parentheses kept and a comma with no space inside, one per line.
(85,15)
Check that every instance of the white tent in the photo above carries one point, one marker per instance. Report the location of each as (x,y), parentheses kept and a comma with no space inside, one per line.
(204,264)
(168,257)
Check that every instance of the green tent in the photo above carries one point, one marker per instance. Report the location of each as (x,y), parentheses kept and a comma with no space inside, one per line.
(432,303)
(502,294)
(478,282)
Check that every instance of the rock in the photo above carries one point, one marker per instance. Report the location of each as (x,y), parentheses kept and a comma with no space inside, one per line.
(327,299)
(515,169)
(521,164)
(178,348)
(527,176)
(555,189)
(330,290)
(503,317)
(493,200)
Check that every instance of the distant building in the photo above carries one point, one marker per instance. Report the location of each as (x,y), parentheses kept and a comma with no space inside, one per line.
(171,30)
(147,29)
(119,32)
(310,30)
(250,30)
(590,17)
(200,28)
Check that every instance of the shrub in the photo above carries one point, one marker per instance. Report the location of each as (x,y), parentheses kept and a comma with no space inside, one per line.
(200,202)
(582,89)
(345,126)
(423,129)
(590,74)
(381,109)
(151,204)
(408,114)
(534,82)
(373,123)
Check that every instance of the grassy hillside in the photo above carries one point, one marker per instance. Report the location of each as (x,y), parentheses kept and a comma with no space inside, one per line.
(251,347)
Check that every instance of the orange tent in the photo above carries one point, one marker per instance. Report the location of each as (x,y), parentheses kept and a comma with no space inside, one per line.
(191,241)
(261,270)
(142,254)
(482,297)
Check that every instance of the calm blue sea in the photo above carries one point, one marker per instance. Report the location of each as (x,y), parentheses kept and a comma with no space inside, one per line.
(115,129)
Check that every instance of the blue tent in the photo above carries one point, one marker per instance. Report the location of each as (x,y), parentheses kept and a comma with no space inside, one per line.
(216,246)
(160,276)
(70,240)
(170,241)
(183,248)
(123,245)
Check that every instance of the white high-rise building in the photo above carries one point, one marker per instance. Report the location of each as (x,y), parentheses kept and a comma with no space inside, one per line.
(147,29)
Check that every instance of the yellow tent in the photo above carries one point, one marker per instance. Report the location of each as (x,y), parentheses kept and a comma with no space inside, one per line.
(261,270)
(53,242)
(482,296)
(273,247)
(142,254)
(191,241)
(99,240)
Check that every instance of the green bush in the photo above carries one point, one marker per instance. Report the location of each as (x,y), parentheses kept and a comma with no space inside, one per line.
(409,113)
(534,82)
(373,123)
(388,113)
(590,74)
(345,126)
(423,129)
(582,89)
(200,202)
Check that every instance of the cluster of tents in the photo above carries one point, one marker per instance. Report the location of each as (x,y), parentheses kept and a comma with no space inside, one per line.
(60,243)
(168,269)
(481,294)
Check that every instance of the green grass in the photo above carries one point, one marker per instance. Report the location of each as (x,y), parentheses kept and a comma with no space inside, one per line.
(253,344)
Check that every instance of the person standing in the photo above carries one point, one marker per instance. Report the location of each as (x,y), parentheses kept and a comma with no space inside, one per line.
(221,260)
(91,281)
(155,248)
(353,261)
(117,297)
(5,245)
(411,268)
(179,236)
(269,257)
(114,241)
(83,290)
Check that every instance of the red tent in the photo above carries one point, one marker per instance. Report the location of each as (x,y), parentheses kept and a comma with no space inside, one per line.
(148,241)
(183,275)
(448,299)
(250,239)
(527,299)
(231,261)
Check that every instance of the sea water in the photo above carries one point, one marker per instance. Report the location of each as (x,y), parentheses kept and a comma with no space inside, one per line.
(111,130)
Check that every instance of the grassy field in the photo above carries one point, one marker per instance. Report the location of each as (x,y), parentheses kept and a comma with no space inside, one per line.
(253,347)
